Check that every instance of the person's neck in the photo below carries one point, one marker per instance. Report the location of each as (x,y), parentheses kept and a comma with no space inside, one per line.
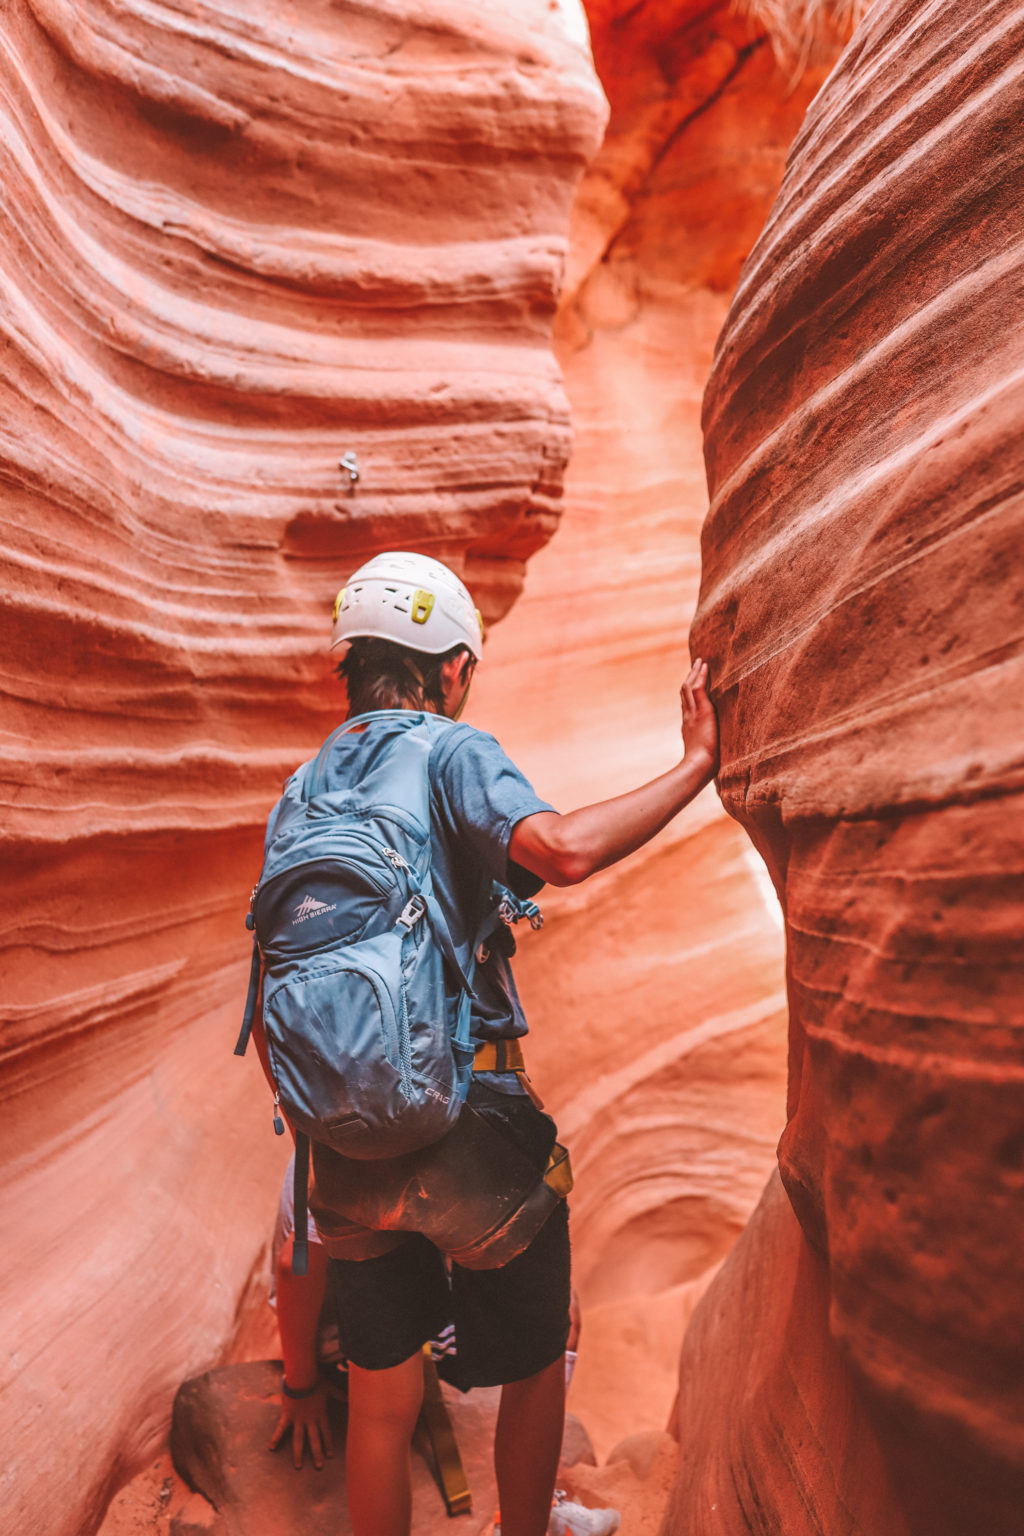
(412,707)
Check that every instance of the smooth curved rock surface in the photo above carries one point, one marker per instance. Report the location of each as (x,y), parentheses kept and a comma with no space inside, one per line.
(861,607)
(771,1438)
(239,240)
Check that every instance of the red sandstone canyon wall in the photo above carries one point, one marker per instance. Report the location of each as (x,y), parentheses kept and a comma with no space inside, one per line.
(656,991)
(858,1366)
(239,240)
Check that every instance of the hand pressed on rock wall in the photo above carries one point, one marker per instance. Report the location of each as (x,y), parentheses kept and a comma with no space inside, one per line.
(700,722)
(563,850)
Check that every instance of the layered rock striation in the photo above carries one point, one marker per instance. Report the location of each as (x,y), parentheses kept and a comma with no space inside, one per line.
(862,1352)
(238,243)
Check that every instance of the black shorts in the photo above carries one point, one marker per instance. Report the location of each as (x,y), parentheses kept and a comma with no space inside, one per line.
(509,1322)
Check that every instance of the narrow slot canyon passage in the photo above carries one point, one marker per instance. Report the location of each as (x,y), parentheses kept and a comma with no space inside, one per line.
(675,327)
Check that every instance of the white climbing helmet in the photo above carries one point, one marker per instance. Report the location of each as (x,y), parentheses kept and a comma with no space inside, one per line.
(410,599)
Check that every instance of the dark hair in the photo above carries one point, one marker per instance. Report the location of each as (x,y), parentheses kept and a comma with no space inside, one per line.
(378,674)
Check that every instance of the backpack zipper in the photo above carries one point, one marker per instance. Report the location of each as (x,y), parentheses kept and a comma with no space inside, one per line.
(364,870)
(413,912)
(404,1043)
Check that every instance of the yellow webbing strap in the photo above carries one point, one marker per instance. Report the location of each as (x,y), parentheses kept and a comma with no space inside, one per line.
(558,1173)
(507,1056)
(499,1056)
(454,1486)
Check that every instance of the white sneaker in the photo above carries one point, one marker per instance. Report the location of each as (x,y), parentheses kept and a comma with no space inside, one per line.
(576,1520)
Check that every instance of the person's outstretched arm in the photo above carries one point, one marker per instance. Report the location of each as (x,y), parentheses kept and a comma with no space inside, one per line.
(563,850)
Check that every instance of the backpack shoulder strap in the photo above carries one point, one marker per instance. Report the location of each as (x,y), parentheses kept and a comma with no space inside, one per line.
(251,1001)
(314,769)
(300,1206)
(446,735)
(445,738)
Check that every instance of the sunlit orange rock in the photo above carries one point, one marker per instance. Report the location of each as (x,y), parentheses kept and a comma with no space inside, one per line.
(240,241)
(862,1351)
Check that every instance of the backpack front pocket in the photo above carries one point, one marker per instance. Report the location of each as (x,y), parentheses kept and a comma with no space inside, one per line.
(338,1050)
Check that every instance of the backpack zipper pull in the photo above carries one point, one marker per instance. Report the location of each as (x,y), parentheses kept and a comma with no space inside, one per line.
(394,857)
(278,1122)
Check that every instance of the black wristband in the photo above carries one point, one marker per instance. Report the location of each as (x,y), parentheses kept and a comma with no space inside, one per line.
(292,1393)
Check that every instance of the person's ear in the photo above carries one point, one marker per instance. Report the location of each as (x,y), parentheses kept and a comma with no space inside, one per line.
(450,670)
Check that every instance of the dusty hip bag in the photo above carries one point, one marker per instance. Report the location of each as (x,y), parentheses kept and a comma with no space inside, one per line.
(474,1194)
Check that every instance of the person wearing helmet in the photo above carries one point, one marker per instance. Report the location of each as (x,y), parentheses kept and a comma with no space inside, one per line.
(410,638)
(411,633)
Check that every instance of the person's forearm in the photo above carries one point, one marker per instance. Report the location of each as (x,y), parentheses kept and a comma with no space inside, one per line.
(299,1300)
(563,850)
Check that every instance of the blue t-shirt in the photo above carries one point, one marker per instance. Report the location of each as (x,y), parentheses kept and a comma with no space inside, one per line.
(477,797)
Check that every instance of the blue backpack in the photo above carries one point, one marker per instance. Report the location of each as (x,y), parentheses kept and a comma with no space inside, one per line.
(367,1037)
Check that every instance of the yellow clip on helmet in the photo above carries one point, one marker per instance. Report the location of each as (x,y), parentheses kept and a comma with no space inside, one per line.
(411,599)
